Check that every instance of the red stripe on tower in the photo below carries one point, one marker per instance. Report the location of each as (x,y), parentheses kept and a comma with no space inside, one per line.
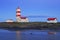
(18,11)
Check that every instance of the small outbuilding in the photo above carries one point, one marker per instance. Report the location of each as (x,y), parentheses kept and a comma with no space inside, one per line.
(9,20)
(52,20)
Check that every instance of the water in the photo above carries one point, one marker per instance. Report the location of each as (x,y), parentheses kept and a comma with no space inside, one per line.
(28,35)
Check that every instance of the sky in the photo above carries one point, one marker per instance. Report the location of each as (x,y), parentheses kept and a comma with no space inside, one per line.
(42,8)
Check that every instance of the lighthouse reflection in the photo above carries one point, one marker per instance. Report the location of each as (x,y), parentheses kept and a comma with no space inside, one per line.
(29,35)
(17,35)
(36,34)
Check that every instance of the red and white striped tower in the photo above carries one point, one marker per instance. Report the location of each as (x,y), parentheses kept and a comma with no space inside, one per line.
(18,12)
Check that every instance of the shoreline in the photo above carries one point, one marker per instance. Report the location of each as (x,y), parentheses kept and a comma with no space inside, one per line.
(30,25)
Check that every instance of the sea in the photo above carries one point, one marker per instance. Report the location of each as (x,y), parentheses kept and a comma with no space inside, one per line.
(29,34)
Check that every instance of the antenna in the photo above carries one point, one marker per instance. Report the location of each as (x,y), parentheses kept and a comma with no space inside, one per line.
(18,3)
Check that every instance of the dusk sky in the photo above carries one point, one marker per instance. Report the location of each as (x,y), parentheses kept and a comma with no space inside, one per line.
(46,8)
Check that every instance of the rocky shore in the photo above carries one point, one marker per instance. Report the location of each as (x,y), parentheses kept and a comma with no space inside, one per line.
(30,25)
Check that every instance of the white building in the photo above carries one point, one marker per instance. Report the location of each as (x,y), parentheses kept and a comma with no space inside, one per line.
(52,20)
(9,20)
(19,18)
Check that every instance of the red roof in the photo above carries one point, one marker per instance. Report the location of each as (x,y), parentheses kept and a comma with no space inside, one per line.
(51,18)
(18,7)
(23,17)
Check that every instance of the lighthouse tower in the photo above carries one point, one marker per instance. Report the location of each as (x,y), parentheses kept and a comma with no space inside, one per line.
(20,18)
(18,14)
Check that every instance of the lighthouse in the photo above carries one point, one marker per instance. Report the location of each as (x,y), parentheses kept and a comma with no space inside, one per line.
(18,14)
(20,18)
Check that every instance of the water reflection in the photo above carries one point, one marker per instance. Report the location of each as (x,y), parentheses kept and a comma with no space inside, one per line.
(51,35)
(29,35)
(50,32)
(17,35)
